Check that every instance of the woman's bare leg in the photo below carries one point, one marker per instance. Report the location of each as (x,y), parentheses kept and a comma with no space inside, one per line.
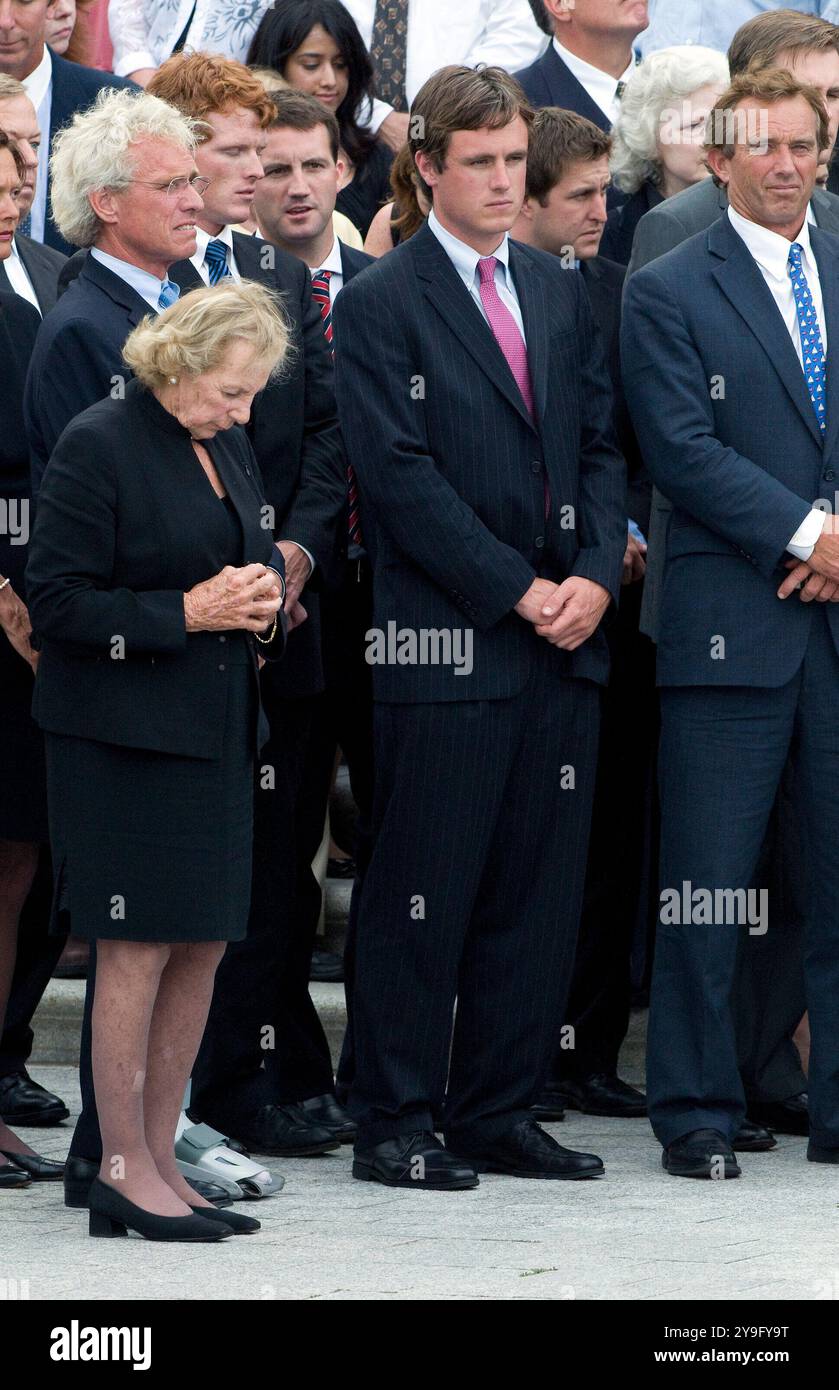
(177,1027)
(18,862)
(128,976)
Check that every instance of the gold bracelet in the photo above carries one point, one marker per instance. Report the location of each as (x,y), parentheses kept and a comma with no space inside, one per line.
(271,635)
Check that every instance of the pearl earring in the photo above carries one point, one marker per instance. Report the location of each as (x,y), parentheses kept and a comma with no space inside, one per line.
(173,380)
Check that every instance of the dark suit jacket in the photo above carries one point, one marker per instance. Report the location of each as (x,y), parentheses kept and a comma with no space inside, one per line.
(43,266)
(112,552)
(742,465)
(78,355)
(74,88)
(619,232)
(452,469)
(295,436)
(19,324)
(604,282)
(354,261)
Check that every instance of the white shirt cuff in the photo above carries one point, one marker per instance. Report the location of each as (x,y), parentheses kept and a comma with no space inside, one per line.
(132,62)
(803,542)
(309,556)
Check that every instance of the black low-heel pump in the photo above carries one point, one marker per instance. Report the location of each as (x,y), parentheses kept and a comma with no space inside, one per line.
(235,1221)
(111,1214)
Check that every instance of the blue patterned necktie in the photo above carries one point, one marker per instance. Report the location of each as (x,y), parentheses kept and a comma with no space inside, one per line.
(24,226)
(215,259)
(169,292)
(812,348)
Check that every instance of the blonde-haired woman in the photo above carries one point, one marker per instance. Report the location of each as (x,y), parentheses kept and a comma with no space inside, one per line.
(657,138)
(154,589)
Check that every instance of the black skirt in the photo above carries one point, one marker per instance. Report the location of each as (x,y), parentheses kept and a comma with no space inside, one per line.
(151,847)
(23,791)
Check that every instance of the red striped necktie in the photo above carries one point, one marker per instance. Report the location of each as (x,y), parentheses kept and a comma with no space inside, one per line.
(320,294)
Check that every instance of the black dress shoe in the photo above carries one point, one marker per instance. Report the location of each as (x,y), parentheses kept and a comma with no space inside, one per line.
(327,968)
(327,1113)
(12,1176)
(24,1102)
(414,1160)
(240,1225)
(704,1153)
(549,1106)
(81,1173)
(39,1169)
(282,1130)
(815,1154)
(111,1214)
(782,1116)
(604,1094)
(526,1151)
(752,1138)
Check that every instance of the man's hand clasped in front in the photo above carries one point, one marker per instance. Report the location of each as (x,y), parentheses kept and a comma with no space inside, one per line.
(564,614)
(818,577)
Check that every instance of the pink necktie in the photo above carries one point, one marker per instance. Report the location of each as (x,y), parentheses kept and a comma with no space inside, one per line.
(505,329)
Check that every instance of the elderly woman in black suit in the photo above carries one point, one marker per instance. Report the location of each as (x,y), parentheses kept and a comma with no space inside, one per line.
(23,810)
(155,589)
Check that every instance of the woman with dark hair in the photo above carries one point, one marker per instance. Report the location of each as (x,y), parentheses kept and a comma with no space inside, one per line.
(316,46)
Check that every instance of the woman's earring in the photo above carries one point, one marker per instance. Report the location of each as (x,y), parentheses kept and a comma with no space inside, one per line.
(173,380)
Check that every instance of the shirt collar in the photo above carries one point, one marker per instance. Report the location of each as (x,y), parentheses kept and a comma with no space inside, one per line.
(147,285)
(770,250)
(591,76)
(203,240)
(331,262)
(38,82)
(464,257)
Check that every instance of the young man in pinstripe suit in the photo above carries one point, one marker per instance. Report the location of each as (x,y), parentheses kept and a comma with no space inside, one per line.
(475,405)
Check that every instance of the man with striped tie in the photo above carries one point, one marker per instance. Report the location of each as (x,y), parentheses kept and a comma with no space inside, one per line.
(731,372)
(476,407)
(276,1100)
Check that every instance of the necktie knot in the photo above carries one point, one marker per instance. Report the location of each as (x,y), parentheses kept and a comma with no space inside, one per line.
(795,253)
(169,292)
(215,258)
(486,269)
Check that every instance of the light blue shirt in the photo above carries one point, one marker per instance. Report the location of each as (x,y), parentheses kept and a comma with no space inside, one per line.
(465,259)
(714,23)
(147,285)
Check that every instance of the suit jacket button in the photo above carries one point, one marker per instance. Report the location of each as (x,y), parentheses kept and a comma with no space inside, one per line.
(829,474)
(222,668)
(222,639)
(536,466)
(539,542)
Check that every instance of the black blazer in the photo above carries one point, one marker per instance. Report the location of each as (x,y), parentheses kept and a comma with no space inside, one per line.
(453,470)
(43,266)
(619,232)
(78,355)
(295,436)
(604,281)
(112,552)
(74,88)
(354,261)
(19,324)
(369,190)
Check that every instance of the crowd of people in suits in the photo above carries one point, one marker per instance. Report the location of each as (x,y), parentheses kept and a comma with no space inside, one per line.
(432,389)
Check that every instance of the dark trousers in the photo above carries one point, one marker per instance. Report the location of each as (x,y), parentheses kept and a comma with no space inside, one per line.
(615,888)
(37,954)
(722,758)
(472,894)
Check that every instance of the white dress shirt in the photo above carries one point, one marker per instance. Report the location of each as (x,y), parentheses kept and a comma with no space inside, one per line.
(499,33)
(203,240)
(771,253)
(147,285)
(39,90)
(465,261)
(144,32)
(601,86)
(18,278)
(333,263)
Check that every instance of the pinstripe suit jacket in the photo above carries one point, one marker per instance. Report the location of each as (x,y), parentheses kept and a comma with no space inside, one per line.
(452,469)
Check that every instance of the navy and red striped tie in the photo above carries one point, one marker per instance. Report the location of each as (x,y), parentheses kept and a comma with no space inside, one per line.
(320,294)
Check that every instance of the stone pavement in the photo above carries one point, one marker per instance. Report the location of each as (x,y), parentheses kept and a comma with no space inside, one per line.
(634,1234)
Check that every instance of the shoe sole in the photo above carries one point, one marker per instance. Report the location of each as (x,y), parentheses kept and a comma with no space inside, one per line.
(508,1171)
(37,1120)
(760,1147)
(702,1172)
(366,1174)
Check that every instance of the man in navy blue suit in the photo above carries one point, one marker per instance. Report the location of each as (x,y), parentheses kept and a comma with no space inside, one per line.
(57,90)
(728,363)
(475,404)
(589,59)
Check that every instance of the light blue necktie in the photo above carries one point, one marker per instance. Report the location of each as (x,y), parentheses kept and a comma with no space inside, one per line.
(168,294)
(812,347)
(215,259)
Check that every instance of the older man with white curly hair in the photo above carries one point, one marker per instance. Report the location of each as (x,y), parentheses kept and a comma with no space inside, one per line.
(125,186)
(657,139)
